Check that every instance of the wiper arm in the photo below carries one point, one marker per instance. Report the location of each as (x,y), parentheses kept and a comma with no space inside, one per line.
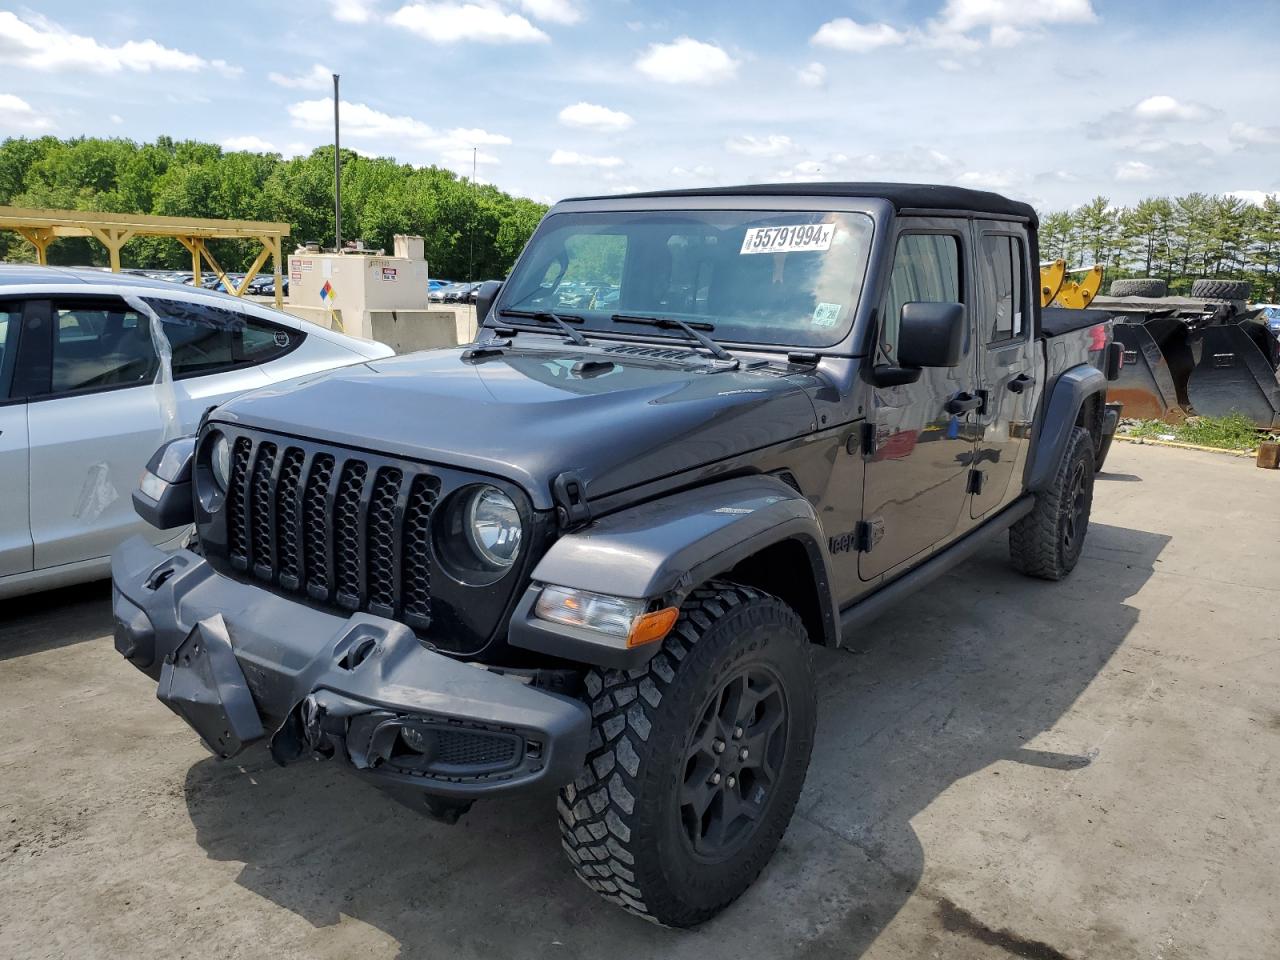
(543,316)
(691,330)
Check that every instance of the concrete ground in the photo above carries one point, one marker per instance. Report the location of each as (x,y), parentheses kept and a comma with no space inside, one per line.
(1004,768)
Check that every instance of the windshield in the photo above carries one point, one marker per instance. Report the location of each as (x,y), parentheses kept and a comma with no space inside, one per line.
(786,278)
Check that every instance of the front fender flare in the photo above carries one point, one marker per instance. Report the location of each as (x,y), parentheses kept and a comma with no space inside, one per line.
(1069,393)
(665,548)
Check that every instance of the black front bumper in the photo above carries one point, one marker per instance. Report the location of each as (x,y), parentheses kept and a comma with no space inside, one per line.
(239,663)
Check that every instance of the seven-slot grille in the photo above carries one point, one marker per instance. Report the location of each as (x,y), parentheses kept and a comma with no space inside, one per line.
(339,527)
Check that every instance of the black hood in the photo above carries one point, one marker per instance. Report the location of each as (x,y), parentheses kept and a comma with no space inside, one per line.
(532,412)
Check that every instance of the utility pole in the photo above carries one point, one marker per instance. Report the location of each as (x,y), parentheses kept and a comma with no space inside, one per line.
(337,174)
(471,256)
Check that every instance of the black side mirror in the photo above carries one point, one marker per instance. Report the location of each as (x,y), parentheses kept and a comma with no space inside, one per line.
(929,335)
(486,293)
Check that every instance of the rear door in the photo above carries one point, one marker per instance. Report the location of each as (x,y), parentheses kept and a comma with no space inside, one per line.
(1006,363)
(98,418)
(15,524)
(914,493)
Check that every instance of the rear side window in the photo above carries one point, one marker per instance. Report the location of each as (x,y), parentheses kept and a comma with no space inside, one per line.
(926,269)
(99,345)
(1003,268)
(10,318)
(206,339)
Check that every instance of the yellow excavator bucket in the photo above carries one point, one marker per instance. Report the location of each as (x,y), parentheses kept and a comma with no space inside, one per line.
(1075,294)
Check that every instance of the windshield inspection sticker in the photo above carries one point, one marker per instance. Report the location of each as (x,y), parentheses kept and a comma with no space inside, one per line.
(788,239)
(826,314)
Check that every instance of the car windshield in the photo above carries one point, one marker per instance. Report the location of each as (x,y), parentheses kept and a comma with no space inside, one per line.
(786,278)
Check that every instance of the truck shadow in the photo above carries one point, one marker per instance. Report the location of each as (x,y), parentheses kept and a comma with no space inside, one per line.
(78,612)
(957,680)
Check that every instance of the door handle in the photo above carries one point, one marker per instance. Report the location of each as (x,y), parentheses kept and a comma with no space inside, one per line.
(963,402)
(1021,382)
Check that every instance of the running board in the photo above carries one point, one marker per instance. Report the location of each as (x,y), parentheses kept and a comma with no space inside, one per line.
(864,611)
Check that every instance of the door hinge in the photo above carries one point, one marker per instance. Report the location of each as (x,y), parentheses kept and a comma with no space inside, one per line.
(868,533)
(976,479)
(985,397)
(868,431)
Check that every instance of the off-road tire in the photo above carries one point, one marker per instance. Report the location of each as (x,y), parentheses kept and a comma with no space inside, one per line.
(1046,543)
(1221,289)
(621,819)
(1139,288)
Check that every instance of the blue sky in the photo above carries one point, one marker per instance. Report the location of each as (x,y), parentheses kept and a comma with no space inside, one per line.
(1053,101)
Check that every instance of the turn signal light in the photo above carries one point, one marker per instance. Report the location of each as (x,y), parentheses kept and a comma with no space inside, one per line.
(652,626)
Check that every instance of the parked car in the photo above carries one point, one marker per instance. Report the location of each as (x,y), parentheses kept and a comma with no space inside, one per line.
(635,525)
(448,293)
(434,284)
(80,409)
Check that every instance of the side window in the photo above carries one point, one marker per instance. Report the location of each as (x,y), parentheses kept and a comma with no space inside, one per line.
(1003,268)
(926,269)
(10,320)
(206,339)
(99,344)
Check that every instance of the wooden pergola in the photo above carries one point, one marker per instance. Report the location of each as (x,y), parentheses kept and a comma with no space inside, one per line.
(114,230)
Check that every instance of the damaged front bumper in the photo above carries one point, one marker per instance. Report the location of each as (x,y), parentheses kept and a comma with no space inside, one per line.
(239,663)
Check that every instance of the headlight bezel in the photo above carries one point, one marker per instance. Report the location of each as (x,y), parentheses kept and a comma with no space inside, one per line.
(456,546)
(211,492)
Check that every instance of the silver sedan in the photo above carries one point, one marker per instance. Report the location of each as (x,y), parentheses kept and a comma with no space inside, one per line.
(96,370)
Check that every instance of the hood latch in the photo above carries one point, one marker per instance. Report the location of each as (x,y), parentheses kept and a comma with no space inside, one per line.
(570,495)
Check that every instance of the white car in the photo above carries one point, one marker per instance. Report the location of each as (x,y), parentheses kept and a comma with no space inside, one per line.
(85,400)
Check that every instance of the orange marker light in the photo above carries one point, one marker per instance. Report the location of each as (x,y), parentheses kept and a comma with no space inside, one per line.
(652,626)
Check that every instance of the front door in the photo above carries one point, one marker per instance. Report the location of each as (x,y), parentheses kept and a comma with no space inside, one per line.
(15,526)
(915,488)
(1006,363)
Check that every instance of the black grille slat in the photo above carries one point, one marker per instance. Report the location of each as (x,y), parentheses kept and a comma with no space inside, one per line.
(260,538)
(237,519)
(380,542)
(288,532)
(457,748)
(347,538)
(315,526)
(415,583)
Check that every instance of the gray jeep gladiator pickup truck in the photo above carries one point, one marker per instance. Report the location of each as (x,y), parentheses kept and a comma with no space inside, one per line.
(698,432)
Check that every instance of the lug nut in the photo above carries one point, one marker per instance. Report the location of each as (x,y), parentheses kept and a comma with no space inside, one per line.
(715,779)
(742,754)
(731,782)
(718,746)
(737,733)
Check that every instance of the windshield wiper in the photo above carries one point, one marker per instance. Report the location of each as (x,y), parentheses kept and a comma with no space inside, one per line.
(691,330)
(543,316)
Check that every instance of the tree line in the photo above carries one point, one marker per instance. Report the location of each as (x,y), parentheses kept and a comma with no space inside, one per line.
(471,231)
(1176,239)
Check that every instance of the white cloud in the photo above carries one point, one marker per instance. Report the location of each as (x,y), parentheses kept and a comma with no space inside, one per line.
(319,77)
(1247,133)
(699,172)
(363,122)
(554,11)
(685,60)
(853,37)
(567,158)
(352,11)
(774,145)
(116,119)
(37,43)
(964,15)
(250,143)
(592,116)
(1255,197)
(17,114)
(988,179)
(1135,171)
(813,75)
(482,22)
(1162,108)
(806,171)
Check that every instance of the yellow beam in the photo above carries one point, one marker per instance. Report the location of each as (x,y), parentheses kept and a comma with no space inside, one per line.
(193,244)
(273,243)
(252,271)
(40,239)
(80,223)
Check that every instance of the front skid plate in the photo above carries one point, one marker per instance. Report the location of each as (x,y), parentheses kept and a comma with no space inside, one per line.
(203,684)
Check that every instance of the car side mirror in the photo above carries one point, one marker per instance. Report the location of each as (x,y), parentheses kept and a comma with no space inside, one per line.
(486,293)
(929,335)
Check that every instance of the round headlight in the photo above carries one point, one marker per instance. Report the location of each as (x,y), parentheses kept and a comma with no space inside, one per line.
(220,462)
(492,524)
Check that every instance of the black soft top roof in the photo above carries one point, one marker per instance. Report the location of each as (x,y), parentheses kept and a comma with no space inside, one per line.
(903,196)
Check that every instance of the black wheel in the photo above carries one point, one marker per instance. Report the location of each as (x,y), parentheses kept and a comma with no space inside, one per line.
(1139,288)
(696,760)
(1046,543)
(1221,289)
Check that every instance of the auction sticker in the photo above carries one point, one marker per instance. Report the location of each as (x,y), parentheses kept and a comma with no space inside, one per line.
(788,239)
(826,314)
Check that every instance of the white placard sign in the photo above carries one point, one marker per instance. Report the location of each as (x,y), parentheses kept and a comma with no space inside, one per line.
(788,239)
